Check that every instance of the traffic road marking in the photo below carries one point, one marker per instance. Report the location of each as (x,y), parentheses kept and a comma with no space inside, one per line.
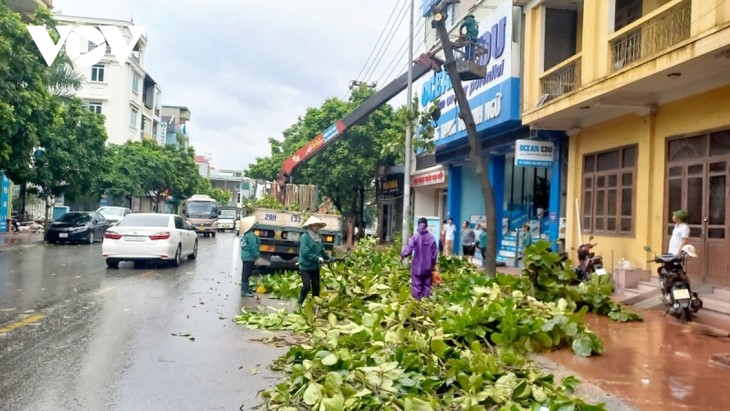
(22,323)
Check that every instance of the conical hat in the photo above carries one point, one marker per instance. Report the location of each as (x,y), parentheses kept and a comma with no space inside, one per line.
(247,223)
(314,221)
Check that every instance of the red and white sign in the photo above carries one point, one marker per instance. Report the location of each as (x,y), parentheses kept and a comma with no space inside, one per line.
(430,178)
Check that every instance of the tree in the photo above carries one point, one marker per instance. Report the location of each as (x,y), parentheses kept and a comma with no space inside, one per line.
(24,95)
(480,163)
(71,149)
(347,164)
(221,196)
(145,168)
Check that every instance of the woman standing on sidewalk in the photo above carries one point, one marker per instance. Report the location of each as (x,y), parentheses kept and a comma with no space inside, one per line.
(249,253)
(311,255)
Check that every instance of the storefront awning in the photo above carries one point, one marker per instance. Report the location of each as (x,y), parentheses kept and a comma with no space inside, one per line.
(429,176)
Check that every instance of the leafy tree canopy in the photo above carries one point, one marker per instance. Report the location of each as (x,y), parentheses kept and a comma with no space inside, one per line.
(346,164)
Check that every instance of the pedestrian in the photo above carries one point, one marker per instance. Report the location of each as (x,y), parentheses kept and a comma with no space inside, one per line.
(680,233)
(328,206)
(422,247)
(468,242)
(449,235)
(249,253)
(442,237)
(477,233)
(311,256)
(525,241)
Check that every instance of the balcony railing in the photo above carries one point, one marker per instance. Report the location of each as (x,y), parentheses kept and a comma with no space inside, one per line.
(650,37)
(562,79)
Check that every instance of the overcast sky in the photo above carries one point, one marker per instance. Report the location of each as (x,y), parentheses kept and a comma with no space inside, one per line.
(247,69)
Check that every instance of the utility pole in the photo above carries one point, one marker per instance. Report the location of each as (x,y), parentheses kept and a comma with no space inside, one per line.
(409,146)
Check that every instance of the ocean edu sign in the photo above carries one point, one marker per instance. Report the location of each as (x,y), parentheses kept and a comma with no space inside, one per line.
(493,99)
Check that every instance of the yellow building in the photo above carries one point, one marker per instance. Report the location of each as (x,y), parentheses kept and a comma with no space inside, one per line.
(642,89)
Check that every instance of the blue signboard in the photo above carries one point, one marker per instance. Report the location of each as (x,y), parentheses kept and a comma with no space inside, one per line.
(4,204)
(427,6)
(330,132)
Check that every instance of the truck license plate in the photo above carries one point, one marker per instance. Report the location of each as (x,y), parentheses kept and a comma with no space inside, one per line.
(681,294)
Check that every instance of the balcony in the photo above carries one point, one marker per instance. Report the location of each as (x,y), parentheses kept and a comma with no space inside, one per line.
(561,79)
(647,37)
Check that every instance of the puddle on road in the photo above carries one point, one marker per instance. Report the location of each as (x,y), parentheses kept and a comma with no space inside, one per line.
(654,364)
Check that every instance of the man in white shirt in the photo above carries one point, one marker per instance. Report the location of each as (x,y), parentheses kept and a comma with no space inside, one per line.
(680,234)
(449,234)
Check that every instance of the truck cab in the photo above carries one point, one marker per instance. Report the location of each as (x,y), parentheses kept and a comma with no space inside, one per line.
(202,211)
(279,232)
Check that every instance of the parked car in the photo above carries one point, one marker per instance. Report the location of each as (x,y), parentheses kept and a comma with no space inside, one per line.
(146,237)
(78,226)
(114,214)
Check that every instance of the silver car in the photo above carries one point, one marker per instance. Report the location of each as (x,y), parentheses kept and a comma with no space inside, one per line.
(114,214)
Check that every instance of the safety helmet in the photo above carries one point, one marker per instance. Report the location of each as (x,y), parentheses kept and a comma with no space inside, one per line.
(689,249)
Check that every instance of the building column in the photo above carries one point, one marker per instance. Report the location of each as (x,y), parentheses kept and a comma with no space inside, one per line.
(496,178)
(453,201)
(573,235)
(648,219)
(556,178)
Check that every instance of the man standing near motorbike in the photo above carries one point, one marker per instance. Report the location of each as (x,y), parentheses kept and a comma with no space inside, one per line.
(680,234)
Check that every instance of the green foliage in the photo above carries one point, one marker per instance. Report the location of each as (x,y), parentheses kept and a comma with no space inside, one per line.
(372,346)
(145,167)
(24,96)
(548,281)
(346,164)
(72,148)
(264,202)
(219,195)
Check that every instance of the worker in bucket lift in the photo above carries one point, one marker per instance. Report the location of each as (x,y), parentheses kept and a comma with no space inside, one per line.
(472,34)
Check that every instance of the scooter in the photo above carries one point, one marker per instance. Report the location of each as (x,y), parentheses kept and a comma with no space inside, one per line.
(677,295)
(588,262)
(14,227)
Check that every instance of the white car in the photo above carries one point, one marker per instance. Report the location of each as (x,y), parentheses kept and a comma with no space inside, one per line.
(145,237)
(114,214)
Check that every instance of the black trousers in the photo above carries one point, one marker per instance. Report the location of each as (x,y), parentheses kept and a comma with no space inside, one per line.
(310,281)
(248,267)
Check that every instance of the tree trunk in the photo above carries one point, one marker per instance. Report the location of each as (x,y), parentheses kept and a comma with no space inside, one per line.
(480,163)
(21,201)
(47,202)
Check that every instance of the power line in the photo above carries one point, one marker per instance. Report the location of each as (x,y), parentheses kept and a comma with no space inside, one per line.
(375,46)
(401,55)
(384,46)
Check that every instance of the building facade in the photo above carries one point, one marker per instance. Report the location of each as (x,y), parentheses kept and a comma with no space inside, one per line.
(642,88)
(176,119)
(125,94)
(525,167)
(28,7)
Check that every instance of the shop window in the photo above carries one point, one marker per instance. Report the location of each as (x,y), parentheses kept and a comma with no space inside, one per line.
(609,192)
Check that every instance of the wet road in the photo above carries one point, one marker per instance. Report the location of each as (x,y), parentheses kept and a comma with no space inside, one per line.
(75,335)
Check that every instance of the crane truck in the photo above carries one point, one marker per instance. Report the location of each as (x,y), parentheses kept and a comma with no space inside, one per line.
(279,230)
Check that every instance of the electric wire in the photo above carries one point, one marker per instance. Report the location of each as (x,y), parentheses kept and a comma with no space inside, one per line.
(375,46)
(385,45)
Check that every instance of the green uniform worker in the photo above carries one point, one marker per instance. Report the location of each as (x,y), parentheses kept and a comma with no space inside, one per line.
(249,253)
(471,35)
(311,255)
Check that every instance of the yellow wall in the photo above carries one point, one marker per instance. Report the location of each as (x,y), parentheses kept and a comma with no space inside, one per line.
(704,112)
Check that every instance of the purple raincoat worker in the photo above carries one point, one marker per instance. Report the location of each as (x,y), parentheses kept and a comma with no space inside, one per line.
(422,246)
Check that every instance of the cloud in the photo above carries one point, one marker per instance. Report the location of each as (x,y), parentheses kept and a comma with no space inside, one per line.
(247,70)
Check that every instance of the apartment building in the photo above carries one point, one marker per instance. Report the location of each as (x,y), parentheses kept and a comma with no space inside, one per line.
(175,119)
(126,95)
(642,87)
(527,184)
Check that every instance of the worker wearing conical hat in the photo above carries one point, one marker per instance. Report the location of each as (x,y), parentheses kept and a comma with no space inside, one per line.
(249,253)
(311,255)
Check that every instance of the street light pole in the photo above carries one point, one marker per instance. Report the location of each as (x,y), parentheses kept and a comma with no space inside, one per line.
(409,146)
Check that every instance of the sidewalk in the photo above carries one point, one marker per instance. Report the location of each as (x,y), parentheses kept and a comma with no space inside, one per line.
(655,364)
(11,239)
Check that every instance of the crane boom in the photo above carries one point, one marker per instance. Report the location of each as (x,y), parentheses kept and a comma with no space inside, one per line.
(423,64)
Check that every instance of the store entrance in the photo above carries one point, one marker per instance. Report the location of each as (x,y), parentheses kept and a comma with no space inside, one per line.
(526,197)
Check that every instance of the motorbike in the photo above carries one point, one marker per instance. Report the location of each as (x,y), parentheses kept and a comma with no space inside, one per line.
(677,295)
(588,262)
(14,226)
